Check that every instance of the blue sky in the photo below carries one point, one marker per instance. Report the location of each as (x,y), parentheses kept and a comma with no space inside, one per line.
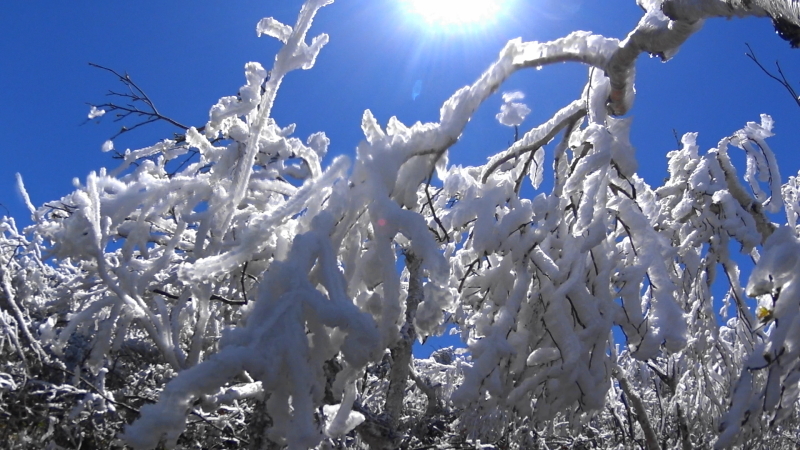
(188,54)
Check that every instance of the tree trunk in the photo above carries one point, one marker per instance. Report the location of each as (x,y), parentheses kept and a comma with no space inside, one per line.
(683,428)
(260,421)
(401,350)
(380,432)
(650,438)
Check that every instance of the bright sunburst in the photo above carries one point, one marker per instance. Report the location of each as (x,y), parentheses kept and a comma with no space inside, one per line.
(454,12)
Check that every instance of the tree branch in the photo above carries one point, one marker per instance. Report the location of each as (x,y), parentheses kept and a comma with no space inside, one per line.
(565,117)
(135,95)
(785,14)
(782,80)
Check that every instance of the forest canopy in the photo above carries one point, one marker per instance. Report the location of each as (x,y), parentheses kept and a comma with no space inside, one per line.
(234,285)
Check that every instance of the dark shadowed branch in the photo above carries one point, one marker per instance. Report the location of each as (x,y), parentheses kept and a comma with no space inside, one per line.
(780,77)
(139,105)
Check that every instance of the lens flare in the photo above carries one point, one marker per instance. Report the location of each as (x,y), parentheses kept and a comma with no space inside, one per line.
(454,12)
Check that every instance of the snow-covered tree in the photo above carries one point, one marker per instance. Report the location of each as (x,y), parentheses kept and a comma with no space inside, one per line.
(227,276)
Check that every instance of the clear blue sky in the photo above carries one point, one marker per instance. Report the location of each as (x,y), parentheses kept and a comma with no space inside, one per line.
(188,54)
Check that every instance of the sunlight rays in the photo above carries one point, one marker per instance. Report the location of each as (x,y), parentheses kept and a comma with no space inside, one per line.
(448,13)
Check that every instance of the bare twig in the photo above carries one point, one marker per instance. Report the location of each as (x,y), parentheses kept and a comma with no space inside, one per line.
(433,213)
(225,430)
(94,388)
(241,280)
(780,78)
(136,96)
(570,127)
(213,297)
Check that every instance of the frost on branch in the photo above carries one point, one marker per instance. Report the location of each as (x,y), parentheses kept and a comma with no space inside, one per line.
(95,112)
(775,394)
(272,27)
(532,278)
(287,336)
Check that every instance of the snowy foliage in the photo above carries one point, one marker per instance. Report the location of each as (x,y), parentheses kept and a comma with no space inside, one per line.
(226,275)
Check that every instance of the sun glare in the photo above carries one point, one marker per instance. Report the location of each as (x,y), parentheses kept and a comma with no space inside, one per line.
(454,12)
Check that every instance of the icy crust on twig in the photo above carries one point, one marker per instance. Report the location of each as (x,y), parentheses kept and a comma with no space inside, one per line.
(578,46)
(641,258)
(273,346)
(768,385)
(296,54)
(537,137)
(655,34)
(713,186)
(435,138)
(520,267)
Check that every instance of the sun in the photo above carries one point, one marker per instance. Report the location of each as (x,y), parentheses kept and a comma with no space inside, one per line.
(454,12)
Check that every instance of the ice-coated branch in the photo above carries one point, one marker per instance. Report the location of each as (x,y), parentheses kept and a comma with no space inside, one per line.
(8,301)
(694,10)
(434,139)
(655,34)
(294,55)
(763,224)
(785,14)
(151,262)
(579,46)
(537,137)
(430,393)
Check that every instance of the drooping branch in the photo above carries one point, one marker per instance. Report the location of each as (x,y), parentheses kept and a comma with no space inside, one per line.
(763,224)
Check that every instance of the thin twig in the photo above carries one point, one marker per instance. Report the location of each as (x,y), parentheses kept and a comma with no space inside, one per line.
(135,94)
(213,297)
(94,388)
(782,79)
(218,428)
(433,212)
